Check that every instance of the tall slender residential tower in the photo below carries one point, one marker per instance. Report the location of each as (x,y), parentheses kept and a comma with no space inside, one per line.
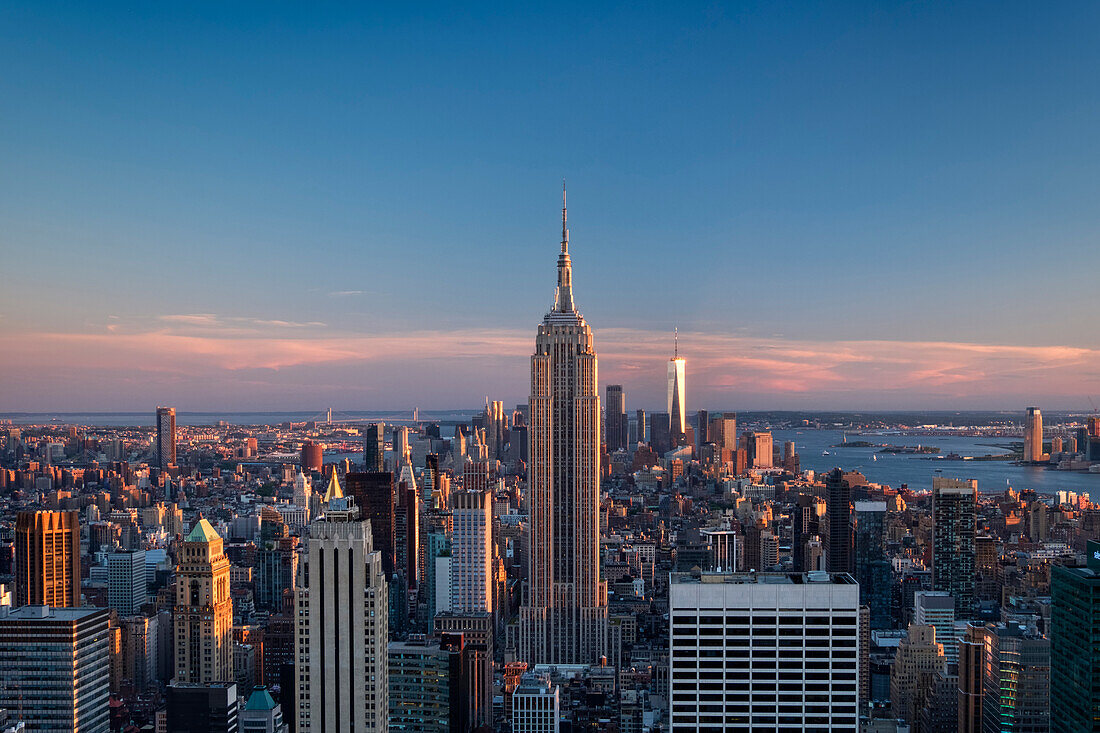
(616,418)
(47,559)
(166,436)
(954,518)
(204,609)
(676,403)
(564,620)
(1033,435)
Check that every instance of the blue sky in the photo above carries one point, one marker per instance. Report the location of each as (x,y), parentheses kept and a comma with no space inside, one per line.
(788,176)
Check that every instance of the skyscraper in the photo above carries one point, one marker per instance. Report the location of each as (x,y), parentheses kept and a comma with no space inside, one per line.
(204,609)
(1016,680)
(726,624)
(677,409)
(375,501)
(723,430)
(402,454)
(971,664)
(276,570)
(406,533)
(341,664)
(140,641)
(1074,659)
(1033,435)
(126,581)
(55,667)
(374,448)
(919,655)
(302,492)
(759,449)
(615,418)
(702,419)
(166,436)
(871,564)
(639,418)
(660,436)
(936,608)
(471,552)
(476,630)
(953,530)
(47,559)
(838,515)
(564,620)
(495,429)
(429,686)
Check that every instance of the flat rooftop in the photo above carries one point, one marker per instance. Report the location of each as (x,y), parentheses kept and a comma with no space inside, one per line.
(48,613)
(811,578)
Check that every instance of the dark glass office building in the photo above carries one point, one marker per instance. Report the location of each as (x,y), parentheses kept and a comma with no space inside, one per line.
(1075,646)
(872,566)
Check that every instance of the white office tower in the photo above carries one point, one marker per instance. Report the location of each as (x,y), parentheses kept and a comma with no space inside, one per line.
(764,651)
(564,620)
(936,608)
(302,492)
(471,552)
(535,705)
(126,587)
(340,660)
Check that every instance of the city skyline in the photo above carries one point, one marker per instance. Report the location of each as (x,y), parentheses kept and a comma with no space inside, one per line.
(836,227)
(294,437)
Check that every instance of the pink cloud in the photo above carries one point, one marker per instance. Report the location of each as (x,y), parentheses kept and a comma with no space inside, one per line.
(204,358)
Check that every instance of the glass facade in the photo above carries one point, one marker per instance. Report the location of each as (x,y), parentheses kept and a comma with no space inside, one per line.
(872,566)
(1075,648)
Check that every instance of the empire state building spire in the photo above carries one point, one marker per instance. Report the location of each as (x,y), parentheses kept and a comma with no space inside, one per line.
(564,619)
(563,299)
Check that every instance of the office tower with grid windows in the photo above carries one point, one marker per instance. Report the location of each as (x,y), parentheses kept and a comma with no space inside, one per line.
(55,668)
(764,651)
(536,705)
(126,581)
(471,552)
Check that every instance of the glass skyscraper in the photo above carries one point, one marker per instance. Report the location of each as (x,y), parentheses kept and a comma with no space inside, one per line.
(1074,652)
(872,566)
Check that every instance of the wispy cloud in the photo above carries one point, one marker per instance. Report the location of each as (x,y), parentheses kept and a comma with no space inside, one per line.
(345,293)
(261,357)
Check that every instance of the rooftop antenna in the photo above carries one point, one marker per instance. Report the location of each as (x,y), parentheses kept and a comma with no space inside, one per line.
(676,342)
(564,230)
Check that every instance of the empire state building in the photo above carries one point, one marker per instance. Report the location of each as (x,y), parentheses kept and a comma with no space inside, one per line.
(564,620)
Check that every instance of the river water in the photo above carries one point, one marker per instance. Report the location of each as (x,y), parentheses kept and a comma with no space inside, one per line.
(917,471)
